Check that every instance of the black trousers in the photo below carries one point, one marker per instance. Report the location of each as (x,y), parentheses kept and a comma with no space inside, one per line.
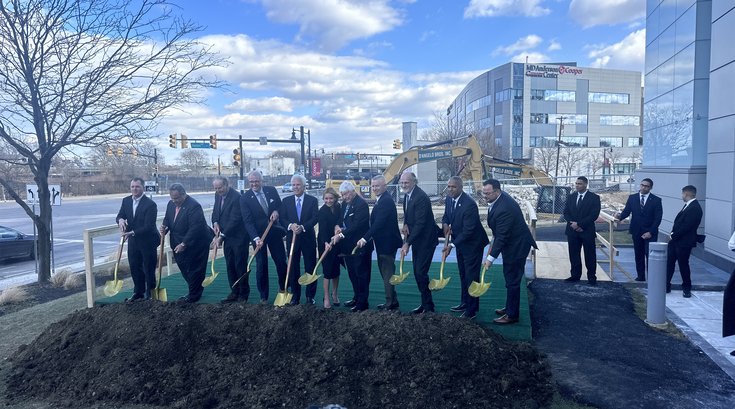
(236,259)
(308,252)
(278,253)
(469,263)
(422,256)
(576,243)
(143,262)
(513,273)
(640,248)
(193,265)
(358,268)
(728,308)
(679,254)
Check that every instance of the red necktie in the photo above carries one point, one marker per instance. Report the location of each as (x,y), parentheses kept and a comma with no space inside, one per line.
(177,213)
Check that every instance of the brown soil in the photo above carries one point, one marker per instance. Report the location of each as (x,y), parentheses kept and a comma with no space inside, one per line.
(255,356)
(38,294)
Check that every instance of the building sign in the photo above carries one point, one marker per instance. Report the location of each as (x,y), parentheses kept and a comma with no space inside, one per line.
(550,71)
(429,155)
(507,171)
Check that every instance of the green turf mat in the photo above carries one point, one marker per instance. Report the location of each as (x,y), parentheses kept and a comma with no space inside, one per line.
(408,295)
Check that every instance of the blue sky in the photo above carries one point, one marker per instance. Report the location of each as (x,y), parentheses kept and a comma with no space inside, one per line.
(353,70)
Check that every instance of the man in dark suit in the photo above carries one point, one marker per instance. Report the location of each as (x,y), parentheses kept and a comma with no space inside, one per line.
(647,212)
(190,239)
(581,211)
(356,222)
(421,234)
(299,214)
(229,228)
(259,206)
(462,218)
(683,239)
(386,238)
(137,221)
(513,240)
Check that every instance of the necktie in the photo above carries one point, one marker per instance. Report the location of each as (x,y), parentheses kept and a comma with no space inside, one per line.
(177,213)
(221,204)
(579,200)
(344,216)
(263,204)
(643,201)
(682,209)
(135,205)
(298,208)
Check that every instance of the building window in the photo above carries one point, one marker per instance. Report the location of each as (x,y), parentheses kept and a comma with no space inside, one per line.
(611,142)
(620,120)
(484,123)
(569,119)
(548,141)
(575,141)
(503,95)
(624,168)
(633,142)
(608,98)
(499,120)
(553,95)
(477,104)
(517,119)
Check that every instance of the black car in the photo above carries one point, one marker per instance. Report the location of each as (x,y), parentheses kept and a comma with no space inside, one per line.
(14,244)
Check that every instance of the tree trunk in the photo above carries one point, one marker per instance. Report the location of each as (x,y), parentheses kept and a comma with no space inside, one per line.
(43,222)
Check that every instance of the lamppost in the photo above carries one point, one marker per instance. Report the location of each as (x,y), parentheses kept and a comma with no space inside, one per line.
(303,159)
(558,147)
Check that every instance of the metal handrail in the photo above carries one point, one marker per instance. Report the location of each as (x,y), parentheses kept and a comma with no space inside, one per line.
(609,243)
(531,219)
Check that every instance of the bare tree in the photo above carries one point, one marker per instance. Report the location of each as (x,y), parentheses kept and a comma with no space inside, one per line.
(596,160)
(81,73)
(193,161)
(544,159)
(570,159)
(285,153)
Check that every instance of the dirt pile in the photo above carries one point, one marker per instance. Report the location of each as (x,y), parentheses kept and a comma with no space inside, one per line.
(255,356)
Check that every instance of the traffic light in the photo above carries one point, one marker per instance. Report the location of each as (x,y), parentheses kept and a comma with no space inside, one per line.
(334,156)
(119,151)
(172,140)
(397,144)
(184,141)
(236,157)
(213,141)
(134,153)
(109,151)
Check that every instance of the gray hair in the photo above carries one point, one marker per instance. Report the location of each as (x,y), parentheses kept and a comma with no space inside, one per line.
(301,179)
(222,179)
(412,175)
(255,173)
(379,178)
(346,187)
(177,187)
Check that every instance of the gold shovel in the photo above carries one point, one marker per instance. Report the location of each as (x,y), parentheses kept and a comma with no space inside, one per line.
(401,276)
(207,281)
(252,256)
(478,289)
(307,278)
(113,287)
(434,284)
(284,297)
(159,293)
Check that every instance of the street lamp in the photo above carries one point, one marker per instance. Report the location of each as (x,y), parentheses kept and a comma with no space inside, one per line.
(558,147)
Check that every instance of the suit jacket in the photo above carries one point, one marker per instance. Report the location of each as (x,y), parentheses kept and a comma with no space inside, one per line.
(423,231)
(384,230)
(255,219)
(309,218)
(585,215)
(143,223)
(356,221)
(684,232)
(229,218)
(464,219)
(511,236)
(646,218)
(189,227)
(328,218)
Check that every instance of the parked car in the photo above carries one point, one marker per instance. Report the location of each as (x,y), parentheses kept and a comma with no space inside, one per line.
(286,187)
(317,184)
(14,244)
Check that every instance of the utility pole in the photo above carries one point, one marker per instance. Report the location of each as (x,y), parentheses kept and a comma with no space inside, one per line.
(558,147)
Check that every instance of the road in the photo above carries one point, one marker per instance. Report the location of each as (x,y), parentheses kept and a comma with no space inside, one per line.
(69,221)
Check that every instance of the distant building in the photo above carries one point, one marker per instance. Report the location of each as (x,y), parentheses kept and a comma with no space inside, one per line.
(516,109)
(273,166)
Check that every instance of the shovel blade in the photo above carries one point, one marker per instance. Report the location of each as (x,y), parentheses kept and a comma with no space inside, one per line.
(436,285)
(307,278)
(207,281)
(282,299)
(478,289)
(159,294)
(398,278)
(112,287)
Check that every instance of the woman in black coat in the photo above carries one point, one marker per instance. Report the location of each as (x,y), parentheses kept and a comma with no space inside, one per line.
(728,301)
(330,216)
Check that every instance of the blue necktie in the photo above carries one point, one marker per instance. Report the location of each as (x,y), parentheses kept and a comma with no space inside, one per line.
(298,208)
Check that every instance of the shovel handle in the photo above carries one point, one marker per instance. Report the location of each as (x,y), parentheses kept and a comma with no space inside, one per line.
(319,262)
(400,265)
(290,255)
(214,256)
(160,261)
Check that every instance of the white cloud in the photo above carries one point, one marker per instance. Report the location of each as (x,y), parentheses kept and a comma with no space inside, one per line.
(590,13)
(532,57)
(629,53)
(493,8)
(427,35)
(261,105)
(334,23)
(554,45)
(523,44)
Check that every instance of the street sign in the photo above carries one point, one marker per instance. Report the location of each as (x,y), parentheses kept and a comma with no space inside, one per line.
(430,155)
(54,190)
(150,187)
(201,145)
(241,184)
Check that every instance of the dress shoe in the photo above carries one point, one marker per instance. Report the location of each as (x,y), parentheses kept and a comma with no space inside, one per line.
(458,308)
(687,293)
(350,303)
(310,301)
(147,295)
(264,301)
(418,310)
(393,307)
(640,279)
(243,298)
(571,280)
(468,316)
(294,302)
(500,311)
(134,297)
(230,298)
(187,299)
(505,319)
(382,307)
